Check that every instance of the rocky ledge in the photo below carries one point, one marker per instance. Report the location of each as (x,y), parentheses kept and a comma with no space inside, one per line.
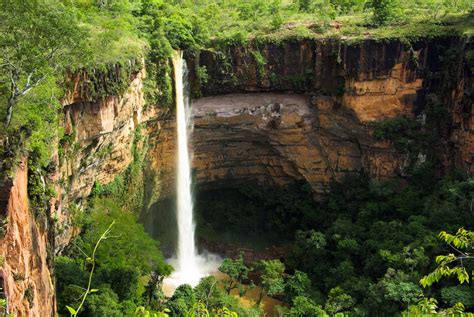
(279,138)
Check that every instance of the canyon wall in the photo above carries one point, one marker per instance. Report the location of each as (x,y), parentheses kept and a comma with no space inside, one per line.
(25,251)
(303,114)
(99,135)
(245,125)
(277,139)
(97,147)
(299,110)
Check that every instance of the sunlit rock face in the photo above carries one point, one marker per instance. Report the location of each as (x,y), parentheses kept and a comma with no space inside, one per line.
(370,80)
(101,136)
(25,250)
(303,115)
(277,139)
(306,114)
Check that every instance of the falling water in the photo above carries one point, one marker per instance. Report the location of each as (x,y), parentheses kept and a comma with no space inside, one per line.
(189,265)
(186,247)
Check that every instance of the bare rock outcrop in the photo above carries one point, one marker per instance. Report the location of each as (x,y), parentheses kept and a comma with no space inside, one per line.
(279,138)
(25,274)
(100,136)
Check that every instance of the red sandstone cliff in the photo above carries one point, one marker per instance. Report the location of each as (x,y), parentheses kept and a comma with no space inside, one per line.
(27,280)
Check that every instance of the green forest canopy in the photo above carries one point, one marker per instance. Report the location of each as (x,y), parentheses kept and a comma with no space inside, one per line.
(52,37)
(362,271)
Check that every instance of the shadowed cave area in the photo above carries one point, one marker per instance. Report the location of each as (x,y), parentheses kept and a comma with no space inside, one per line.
(250,173)
(236,215)
(271,149)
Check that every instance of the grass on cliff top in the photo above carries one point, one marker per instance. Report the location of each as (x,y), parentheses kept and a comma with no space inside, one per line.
(354,28)
(117,30)
(113,38)
(239,21)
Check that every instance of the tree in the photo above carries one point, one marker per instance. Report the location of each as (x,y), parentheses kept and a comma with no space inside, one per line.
(121,265)
(305,307)
(38,39)
(208,292)
(153,291)
(429,307)
(237,272)
(92,259)
(182,300)
(383,10)
(305,5)
(297,284)
(131,247)
(141,311)
(272,282)
(198,310)
(103,303)
(338,301)
(462,243)
(309,247)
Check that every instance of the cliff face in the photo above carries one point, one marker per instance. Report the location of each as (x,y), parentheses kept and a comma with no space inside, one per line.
(97,145)
(342,89)
(99,136)
(297,110)
(25,275)
(279,138)
(459,95)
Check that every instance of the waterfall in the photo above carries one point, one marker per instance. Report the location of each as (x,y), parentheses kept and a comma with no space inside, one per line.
(186,247)
(189,265)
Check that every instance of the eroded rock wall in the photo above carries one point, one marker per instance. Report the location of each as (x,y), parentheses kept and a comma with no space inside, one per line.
(276,138)
(455,70)
(329,93)
(26,272)
(99,137)
(366,81)
(96,148)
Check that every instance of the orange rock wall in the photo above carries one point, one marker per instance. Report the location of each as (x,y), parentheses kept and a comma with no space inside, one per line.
(27,281)
(305,118)
(370,80)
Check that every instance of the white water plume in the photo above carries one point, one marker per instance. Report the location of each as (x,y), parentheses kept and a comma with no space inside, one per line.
(189,266)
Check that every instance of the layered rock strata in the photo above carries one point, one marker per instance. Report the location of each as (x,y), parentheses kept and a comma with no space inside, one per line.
(281,138)
(373,80)
(25,274)
(101,135)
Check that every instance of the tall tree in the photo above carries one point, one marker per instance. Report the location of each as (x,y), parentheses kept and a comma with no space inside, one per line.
(271,275)
(37,40)
(237,272)
(453,264)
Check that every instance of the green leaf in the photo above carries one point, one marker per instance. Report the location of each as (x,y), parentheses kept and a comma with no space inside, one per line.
(93,290)
(72,311)
(463,276)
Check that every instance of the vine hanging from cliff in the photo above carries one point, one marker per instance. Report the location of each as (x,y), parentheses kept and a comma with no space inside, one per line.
(96,82)
(128,188)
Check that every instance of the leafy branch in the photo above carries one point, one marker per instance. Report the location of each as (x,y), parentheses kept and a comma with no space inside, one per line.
(462,243)
(91,259)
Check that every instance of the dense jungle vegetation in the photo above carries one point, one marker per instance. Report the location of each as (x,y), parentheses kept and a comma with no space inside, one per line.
(362,251)
(368,248)
(42,41)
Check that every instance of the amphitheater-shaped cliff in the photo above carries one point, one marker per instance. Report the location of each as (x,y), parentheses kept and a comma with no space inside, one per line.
(270,113)
(307,112)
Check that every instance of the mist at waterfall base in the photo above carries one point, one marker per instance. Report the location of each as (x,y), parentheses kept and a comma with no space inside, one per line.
(189,266)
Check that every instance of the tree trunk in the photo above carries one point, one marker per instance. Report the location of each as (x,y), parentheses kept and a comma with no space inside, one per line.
(260,297)
(10,104)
